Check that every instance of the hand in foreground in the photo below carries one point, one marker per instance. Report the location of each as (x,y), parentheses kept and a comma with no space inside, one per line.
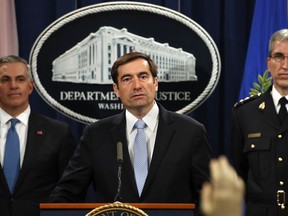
(224,195)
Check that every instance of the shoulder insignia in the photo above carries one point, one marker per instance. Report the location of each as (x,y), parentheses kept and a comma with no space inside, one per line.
(245,100)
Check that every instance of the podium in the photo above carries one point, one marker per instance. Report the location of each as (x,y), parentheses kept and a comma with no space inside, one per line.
(152,209)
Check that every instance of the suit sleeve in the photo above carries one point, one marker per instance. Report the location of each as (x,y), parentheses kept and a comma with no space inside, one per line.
(73,185)
(67,149)
(237,141)
(202,155)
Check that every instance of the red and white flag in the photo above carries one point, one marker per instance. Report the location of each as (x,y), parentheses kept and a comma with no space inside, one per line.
(8,31)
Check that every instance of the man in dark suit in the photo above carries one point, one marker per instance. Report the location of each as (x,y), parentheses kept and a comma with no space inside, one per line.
(260,138)
(45,145)
(178,149)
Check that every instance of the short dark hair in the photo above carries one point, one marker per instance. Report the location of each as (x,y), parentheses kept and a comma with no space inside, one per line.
(15,59)
(130,57)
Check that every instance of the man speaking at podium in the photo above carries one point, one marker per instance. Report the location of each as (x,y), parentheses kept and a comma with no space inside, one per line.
(174,153)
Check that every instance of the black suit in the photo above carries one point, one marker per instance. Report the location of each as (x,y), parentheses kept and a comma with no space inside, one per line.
(178,168)
(49,147)
(260,153)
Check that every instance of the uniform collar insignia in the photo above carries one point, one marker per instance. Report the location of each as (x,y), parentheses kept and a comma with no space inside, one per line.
(262,106)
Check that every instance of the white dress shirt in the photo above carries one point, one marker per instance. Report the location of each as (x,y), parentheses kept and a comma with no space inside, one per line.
(276,97)
(21,128)
(151,119)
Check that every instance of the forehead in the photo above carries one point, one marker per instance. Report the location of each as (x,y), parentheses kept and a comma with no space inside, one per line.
(13,69)
(134,66)
(281,46)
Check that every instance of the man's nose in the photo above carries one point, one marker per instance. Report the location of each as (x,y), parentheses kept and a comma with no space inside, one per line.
(136,83)
(13,84)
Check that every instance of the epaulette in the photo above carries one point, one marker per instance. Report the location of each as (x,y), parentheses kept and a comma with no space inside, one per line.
(245,100)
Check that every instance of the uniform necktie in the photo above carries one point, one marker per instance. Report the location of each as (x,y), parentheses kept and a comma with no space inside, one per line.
(140,156)
(283,111)
(12,155)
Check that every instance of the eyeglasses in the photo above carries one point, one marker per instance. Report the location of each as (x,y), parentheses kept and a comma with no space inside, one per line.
(278,57)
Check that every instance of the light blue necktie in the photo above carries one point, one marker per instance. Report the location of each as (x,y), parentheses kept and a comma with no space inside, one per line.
(140,156)
(12,155)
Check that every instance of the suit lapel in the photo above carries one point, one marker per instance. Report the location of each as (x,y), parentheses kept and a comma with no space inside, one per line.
(119,135)
(164,136)
(35,136)
(3,183)
(268,112)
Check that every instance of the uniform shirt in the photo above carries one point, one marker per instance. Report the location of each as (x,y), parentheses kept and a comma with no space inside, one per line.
(21,128)
(276,97)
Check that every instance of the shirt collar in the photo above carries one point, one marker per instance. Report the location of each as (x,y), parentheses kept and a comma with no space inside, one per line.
(23,117)
(151,118)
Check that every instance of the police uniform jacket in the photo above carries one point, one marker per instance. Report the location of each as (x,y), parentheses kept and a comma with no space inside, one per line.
(260,154)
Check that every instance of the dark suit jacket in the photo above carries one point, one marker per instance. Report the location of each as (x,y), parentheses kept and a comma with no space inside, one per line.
(49,147)
(260,153)
(178,168)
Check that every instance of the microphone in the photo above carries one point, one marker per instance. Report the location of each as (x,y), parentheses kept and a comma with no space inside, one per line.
(119,153)
(120,162)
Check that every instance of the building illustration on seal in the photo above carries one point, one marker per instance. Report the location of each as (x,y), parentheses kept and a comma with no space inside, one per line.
(90,61)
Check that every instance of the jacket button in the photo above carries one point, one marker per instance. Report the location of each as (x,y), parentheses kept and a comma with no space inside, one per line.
(279,136)
(280,159)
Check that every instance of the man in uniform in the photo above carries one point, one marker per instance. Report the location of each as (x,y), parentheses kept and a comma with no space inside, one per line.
(260,138)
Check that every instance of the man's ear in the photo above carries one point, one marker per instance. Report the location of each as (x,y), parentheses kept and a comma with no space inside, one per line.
(156,83)
(115,88)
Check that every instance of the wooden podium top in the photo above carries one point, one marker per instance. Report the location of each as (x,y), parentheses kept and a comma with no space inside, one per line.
(138,205)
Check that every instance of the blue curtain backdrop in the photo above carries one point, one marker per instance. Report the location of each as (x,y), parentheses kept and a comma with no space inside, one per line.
(269,16)
(227,21)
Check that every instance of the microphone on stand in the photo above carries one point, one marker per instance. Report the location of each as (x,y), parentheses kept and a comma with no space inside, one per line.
(120,162)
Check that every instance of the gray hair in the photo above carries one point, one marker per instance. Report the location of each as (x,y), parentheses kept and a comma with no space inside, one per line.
(16,59)
(281,35)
